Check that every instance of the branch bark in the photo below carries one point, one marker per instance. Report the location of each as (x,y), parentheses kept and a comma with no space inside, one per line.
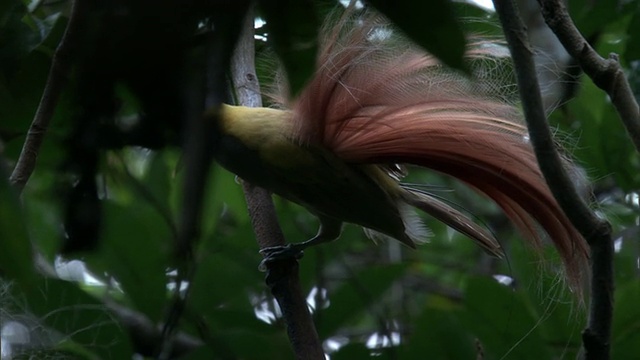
(597,232)
(58,77)
(282,276)
(605,73)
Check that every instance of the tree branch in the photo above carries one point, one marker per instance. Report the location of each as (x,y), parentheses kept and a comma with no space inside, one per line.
(605,73)
(198,155)
(596,231)
(282,277)
(57,80)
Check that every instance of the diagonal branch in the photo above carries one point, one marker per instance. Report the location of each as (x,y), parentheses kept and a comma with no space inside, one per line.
(596,231)
(605,73)
(57,80)
(282,277)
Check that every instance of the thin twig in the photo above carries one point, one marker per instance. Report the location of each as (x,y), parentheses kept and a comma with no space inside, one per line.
(605,73)
(282,276)
(596,231)
(58,77)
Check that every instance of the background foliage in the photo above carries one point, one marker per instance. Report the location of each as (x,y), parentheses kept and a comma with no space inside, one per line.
(448,299)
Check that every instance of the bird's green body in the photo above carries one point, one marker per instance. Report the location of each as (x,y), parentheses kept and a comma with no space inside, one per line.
(258,145)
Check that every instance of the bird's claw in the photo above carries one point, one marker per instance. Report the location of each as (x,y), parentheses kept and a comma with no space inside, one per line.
(277,253)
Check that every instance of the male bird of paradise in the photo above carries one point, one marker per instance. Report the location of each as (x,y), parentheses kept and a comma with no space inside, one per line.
(376,101)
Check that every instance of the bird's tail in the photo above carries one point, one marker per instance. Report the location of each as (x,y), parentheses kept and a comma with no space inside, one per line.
(453,218)
(378,99)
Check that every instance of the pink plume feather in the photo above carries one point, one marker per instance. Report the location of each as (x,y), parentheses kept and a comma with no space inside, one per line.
(372,102)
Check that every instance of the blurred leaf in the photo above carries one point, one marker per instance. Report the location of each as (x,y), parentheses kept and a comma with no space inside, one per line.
(352,351)
(16,260)
(247,344)
(16,38)
(62,306)
(633,42)
(212,287)
(502,323)
(431,24)
(25,86)
(355,296)
(135,246)
(293,29)
(42,212)
(441,335)
(626,260)
(603,142)
(543,290)
(591,16)
(157,180)
(224,199)
(626,321)
(50,31)
(25,57)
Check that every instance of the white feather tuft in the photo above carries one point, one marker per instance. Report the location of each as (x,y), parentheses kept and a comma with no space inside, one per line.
(415,229)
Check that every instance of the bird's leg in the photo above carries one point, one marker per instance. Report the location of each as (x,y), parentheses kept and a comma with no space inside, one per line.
(329,230)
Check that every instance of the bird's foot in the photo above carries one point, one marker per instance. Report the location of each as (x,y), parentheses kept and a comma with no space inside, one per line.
(278,253)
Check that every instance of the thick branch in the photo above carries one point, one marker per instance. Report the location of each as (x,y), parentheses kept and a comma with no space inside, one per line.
(597,232)
(605,73)
(282,277)
(57,80)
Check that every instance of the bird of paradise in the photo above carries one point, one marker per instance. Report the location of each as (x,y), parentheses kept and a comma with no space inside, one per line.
(377,102)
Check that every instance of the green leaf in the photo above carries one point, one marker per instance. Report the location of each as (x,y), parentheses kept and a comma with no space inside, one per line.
(356,295)
(626,321)
(352,351)
(431,24)
(16,38)
(157,180)
(501,321)
(16,260)
(227,191)
(633,42)
(50,31)
(212,287)
(135,246)
(592,16)
(440,334)
(293,28)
